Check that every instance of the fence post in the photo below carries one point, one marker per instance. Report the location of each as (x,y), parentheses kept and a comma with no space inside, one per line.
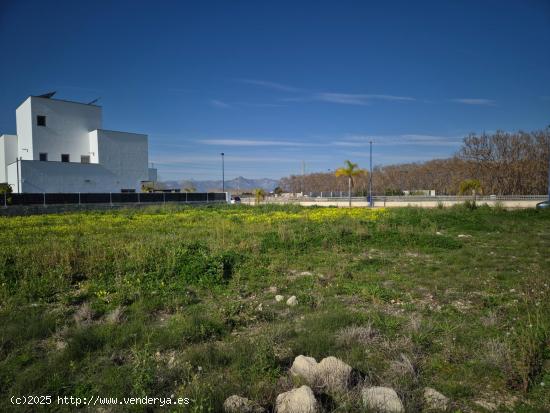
(207,197)
(111,198)
(139,199)
(5,200)
(44,198)
(79,198)
(185,197)
(164,197)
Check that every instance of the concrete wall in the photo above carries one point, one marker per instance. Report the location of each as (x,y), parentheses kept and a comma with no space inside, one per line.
(8,154)
(66,132)
(62,177)
(23,118)
(512,203)
(124,154)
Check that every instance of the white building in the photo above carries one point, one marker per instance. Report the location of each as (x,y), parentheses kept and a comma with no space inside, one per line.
(60,147)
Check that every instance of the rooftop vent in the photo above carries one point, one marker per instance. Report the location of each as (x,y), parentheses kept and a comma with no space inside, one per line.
(47,95)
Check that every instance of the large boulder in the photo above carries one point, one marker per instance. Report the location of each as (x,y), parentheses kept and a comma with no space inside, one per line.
(333,374)
(382,400)
(306,368)
(435,401)
(300,400)
(238,404)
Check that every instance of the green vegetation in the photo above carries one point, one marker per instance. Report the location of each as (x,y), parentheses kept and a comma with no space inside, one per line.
(180,301)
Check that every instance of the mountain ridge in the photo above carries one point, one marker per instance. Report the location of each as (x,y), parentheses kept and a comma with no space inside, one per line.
(239,183)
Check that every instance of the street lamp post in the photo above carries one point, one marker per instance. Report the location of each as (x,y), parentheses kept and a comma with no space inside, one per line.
(370,177)
(223,172)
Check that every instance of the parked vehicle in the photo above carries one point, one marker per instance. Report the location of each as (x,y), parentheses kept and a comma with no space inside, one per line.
(235,200)
(543,204)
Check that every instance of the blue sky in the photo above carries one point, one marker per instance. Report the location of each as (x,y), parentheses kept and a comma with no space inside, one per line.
(274,83)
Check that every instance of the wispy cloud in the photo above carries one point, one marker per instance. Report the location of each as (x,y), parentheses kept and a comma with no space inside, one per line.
(252,142)
(350,98)
(474,101)
(219,104)
(174,159)
(404,139)
(270,85)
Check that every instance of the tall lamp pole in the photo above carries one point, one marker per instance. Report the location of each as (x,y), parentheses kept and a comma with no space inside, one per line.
(223,172)
(370,177)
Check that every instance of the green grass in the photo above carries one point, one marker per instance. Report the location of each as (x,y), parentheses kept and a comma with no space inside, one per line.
(176,301)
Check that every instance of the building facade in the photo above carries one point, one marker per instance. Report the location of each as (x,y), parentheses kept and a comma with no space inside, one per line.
(61,147)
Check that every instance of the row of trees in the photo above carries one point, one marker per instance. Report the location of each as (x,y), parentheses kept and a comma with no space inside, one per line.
(503,163)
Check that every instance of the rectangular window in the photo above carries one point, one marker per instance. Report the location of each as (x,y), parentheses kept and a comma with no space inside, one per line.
(85,159)
(40,120)
(43,156)
(65,157)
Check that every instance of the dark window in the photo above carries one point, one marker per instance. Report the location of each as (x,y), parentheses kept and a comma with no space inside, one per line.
(65,157)
(127,190)
(40,120)
(43,156)
(85,159)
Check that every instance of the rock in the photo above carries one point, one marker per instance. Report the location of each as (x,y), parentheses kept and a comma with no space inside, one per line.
(260,307)
(435,401)
(382,400)
(306,368)
(333,374)
(305,273)
(272,290)
(292,301)
(464,236)
(238,404)
(279,298)
(300,400)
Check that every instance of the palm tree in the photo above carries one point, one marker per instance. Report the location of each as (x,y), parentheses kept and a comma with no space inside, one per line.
(472,186)
(259,195)
(351,170)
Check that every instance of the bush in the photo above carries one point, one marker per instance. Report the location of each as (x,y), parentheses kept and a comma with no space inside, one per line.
(195,264)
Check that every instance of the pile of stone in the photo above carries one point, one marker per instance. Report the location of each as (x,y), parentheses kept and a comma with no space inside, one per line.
(332,376)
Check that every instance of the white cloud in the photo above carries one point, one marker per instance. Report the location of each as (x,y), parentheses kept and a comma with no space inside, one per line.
(404,139)
(474,101)
(350,98)
(270,85)
(251,142)
(219,104)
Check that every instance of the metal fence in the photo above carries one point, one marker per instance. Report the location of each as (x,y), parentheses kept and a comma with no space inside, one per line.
(111,198)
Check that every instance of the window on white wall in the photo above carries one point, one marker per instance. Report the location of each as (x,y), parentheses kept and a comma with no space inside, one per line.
(65,157)
(40,120)
(85,159)
(43,156)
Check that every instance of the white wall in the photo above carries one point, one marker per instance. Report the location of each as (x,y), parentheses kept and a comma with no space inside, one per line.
(124,154)
(23,117)
(8,154)
(66,132)
(62,177)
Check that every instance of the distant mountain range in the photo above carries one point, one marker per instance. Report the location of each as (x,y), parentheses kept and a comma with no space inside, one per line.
(240,183)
